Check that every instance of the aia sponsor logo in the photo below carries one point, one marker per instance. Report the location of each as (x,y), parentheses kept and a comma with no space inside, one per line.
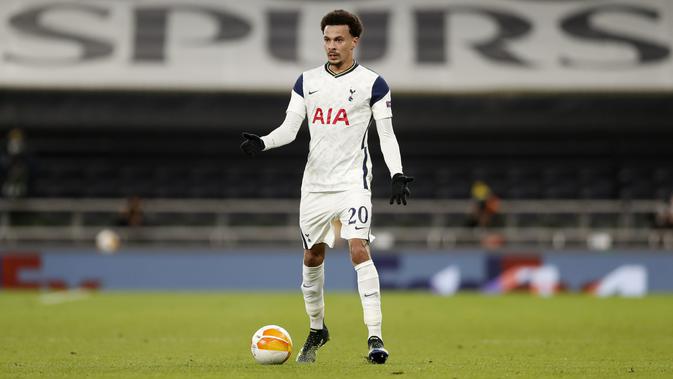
(330,116)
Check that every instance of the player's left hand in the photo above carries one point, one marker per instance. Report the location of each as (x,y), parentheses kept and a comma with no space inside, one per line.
(401,190)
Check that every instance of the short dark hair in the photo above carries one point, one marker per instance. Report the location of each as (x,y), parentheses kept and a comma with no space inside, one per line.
(342,17)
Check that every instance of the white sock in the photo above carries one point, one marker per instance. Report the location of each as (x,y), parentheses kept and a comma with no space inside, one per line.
(370,295)
(313,281)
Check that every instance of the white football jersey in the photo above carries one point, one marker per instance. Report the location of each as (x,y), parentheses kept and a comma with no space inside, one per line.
(339,108)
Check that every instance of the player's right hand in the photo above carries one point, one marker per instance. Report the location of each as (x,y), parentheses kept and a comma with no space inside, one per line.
(252,144)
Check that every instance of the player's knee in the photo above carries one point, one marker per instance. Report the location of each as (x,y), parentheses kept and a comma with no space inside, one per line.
(314,256)
(313,260)
(359,254)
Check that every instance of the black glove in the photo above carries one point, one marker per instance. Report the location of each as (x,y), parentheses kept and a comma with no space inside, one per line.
(400,189)
(252,144)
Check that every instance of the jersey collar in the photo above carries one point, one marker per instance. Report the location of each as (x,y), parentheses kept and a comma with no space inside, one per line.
(350,69)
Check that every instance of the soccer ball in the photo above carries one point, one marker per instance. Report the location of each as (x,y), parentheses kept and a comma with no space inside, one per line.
(271,345)
(107,241)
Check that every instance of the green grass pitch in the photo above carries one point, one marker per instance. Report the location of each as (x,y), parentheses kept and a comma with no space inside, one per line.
(187,335)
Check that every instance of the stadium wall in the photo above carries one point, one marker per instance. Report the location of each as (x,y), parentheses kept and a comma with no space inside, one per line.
(248,270)
(423,46)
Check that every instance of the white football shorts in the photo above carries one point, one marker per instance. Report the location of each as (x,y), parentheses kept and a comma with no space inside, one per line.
(319,210)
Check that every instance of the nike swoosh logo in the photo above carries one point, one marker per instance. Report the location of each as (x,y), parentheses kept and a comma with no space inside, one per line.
(306,235)
(312,92)
(360,227)
(370,294)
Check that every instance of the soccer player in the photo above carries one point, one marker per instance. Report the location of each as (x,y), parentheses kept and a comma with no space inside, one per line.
(340,98)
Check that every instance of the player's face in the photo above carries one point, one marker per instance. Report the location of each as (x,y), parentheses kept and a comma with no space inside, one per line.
(339,45)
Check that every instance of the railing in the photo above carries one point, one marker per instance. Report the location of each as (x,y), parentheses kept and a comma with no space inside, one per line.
(429,225)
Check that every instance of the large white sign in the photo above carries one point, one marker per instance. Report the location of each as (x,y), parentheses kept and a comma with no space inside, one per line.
(263,45)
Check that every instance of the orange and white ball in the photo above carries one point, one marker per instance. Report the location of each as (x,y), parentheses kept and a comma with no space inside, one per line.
(271,345)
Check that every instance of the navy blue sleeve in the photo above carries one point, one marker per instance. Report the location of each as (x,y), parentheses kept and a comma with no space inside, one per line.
(379,89)
(299,86)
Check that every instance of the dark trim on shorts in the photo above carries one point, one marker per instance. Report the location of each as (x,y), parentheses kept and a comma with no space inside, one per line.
(303,240)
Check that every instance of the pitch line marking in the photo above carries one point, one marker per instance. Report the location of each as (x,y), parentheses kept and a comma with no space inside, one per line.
(60,297)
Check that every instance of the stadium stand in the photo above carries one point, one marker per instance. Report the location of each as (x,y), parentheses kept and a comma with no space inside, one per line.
(609,156)
(89,165)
